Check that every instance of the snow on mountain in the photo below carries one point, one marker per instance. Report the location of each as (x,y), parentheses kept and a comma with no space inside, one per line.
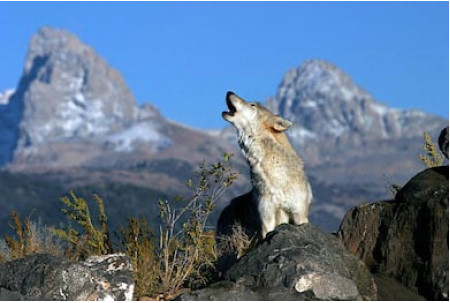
(5,95)
(142,132)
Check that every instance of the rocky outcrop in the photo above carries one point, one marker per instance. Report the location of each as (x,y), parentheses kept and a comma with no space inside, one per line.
(406,239)
(45,278)
(443,141)
(294,263)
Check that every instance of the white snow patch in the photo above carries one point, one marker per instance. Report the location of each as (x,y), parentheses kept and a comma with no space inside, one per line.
(379,109)
(301,134)
(309,103)
(142,132)
(95,110)
(75,82)
(79,97)
(213,132)
(347,94)
(414,113)
(335,127)
(5,95)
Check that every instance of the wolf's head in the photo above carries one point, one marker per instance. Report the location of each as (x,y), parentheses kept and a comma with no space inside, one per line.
(252,118)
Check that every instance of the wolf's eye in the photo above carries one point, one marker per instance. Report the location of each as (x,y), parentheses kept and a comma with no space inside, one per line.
(252,104)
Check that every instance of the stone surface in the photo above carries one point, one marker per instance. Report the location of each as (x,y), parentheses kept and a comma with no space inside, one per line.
(45,277)
(406,239)
(230,291)
(390,289)
(443,141)
(294,263)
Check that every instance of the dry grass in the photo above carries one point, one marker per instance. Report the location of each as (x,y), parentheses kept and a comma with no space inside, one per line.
(89,239)
(432,156)
(236,244)
(29,237)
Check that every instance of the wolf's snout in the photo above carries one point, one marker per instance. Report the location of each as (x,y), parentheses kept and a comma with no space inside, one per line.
(229,93)
(231,106)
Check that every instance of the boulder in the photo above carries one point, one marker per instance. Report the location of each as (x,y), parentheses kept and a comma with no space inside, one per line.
(443,141)
(294,263)
(407,238)
(45,277)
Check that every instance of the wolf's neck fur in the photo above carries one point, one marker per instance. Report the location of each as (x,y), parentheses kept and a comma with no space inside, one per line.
(272,160)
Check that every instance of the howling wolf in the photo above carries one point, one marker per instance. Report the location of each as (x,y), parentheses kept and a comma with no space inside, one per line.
(281,192)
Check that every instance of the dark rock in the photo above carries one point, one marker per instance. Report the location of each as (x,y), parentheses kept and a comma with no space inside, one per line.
(242,212)
(294,263)
(391,290)
(406,239)
(443,141)
(230,291)
(46,277)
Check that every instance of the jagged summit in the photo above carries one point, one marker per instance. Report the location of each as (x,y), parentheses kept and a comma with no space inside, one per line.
(70,94)
(324,102)
(72,109)
(69,91)
(317,79)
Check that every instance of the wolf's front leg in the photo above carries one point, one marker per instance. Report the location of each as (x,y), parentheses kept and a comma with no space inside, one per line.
(281,217)
(299,218)
(267,226)
(268,217)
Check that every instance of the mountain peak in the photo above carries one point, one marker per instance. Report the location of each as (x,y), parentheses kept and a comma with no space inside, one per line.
(67,93)
(316,81)
(325,103)
(70,91)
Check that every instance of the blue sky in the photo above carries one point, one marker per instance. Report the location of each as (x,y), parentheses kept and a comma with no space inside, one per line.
(184,56)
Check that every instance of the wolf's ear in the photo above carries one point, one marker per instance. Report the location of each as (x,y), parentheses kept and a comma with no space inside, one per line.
(279,124)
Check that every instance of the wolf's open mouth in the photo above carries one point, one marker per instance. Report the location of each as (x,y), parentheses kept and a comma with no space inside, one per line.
(231,107)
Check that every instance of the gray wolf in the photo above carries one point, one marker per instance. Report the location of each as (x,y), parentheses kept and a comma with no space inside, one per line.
(281,192)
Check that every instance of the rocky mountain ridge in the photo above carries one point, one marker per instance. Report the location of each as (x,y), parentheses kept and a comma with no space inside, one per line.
(70,99)
(68,91)
(325,104)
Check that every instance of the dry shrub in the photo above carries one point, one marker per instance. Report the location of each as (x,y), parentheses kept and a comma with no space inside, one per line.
(87,239)
(238,243)
(432,156)
(183,254)
(29,237)
(232,246)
